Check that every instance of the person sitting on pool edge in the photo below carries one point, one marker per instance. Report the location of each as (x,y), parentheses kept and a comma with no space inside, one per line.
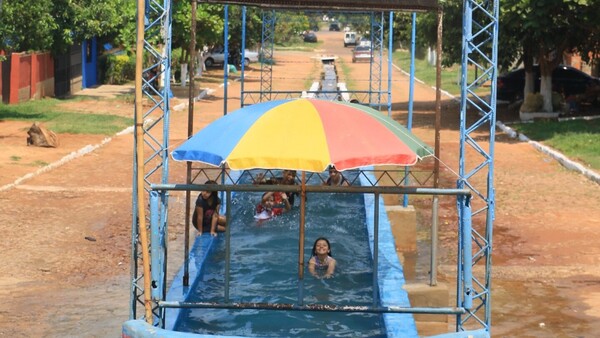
(336,178)
(321,264)
(206,216)
(272,203)
(288,178)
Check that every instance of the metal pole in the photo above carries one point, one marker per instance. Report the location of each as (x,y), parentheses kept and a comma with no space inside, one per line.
(390,61)
(139,132)
(243,47)
(313,189)
(190,131)
(436,165)
(301,241)
(467,253)
(375,247)
(227,244)
(411,91)
(312,307)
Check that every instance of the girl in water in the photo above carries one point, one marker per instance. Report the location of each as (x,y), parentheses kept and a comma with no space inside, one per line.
(321,264)
(336,178)
(206,216)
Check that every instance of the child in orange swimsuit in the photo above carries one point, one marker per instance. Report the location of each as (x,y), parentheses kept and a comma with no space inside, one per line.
(272,204)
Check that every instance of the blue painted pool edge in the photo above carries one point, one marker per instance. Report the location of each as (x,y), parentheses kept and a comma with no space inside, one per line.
(390,272)
(139,328)
(179,292)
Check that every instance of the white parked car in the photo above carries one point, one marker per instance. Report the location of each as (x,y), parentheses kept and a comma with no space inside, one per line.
(215,56)
(349,39)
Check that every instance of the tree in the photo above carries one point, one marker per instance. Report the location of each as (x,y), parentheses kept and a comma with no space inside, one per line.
(210,26)
(26,25)
(56,25)
(551,28)
(530,31)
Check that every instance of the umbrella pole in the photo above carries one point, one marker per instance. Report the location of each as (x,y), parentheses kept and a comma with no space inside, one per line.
(142,231)
(301,241)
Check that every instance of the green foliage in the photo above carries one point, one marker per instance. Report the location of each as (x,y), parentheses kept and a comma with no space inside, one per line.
(579,139)
(527,29)
(47,111)
(56,25)
(26,25)
(119,69)
(289,26)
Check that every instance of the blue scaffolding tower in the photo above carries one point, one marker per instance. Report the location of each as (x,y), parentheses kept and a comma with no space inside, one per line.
(476,162)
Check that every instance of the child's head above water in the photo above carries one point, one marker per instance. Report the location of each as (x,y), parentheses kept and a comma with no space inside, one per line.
(268,199)
(321,246)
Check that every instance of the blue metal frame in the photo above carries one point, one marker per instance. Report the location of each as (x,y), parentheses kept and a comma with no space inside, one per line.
(267,45)
(479,52)
(480,40)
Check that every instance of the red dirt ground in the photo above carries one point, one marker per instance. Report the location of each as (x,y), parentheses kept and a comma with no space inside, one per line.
(66,229)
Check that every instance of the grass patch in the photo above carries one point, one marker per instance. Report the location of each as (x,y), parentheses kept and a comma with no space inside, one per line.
(127,98)
(60,121)
(426,73)
(579,139)
(313,75)
(39,163)
(347,73)
(298,46)
(15,158)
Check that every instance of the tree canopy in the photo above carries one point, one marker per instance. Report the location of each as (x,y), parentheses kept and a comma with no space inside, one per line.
(55,25)
(530,31)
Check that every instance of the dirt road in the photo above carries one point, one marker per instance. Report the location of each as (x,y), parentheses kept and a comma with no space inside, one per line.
(66,229)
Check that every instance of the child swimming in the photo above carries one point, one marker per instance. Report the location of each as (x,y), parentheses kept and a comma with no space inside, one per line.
(272,204)
(321,264)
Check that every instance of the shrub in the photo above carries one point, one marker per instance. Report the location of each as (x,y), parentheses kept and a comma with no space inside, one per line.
(119,69)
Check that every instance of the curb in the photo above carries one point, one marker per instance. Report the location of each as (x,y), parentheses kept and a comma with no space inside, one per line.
(561,158)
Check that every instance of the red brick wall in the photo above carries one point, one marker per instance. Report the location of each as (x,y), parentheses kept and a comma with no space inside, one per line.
(1,98)
(31,76)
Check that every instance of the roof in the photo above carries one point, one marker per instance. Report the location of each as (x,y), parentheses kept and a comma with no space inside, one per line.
(348,5)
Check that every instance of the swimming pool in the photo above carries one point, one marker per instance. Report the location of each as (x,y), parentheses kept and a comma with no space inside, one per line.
(264,269)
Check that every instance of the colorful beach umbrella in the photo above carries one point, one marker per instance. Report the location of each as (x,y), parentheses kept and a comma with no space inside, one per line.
(303,134)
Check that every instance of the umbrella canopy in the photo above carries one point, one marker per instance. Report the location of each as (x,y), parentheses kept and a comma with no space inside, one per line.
(303,134)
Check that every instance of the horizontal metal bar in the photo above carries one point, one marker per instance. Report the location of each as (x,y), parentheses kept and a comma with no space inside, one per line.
(312,189)
(312,307)
(300,92)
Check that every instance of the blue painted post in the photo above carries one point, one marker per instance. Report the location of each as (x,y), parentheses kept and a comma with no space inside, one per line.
(375,247)
(156,249)
(243,66)
(467,260)
(411,91)
(390,62)
(84,48)
(227,244)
